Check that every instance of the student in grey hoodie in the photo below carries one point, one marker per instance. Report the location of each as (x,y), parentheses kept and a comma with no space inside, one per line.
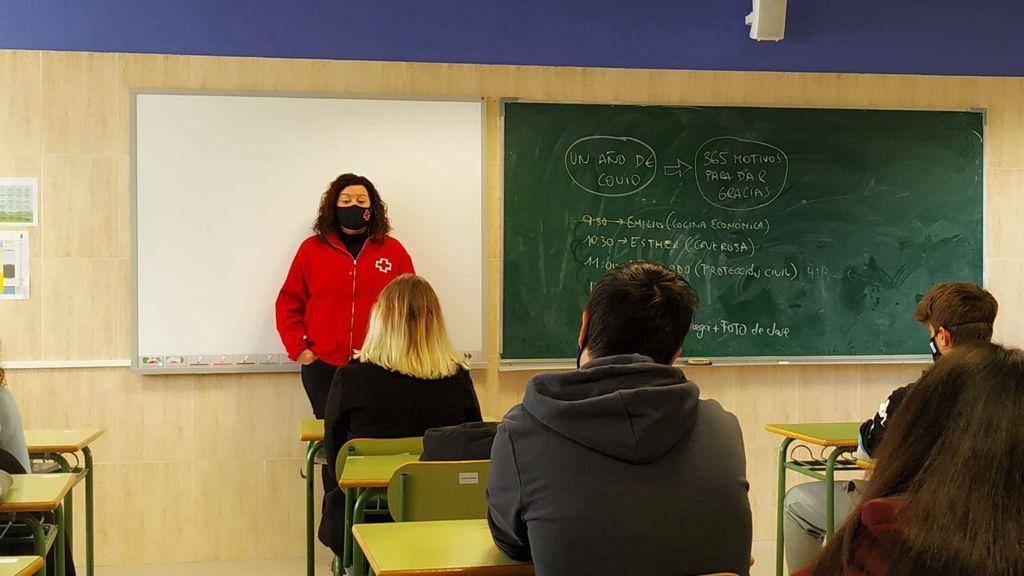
(618,467)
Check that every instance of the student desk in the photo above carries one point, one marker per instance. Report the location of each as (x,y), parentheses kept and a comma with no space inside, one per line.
(312,433)
(367,476)
(32,494)
(53,445)
(450,547)
(20,565)
(842,438)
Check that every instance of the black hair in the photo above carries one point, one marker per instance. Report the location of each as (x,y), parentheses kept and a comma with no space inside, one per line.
(640,308)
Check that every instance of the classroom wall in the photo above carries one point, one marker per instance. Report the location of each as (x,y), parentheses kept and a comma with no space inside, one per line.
(896,36)
(197,468)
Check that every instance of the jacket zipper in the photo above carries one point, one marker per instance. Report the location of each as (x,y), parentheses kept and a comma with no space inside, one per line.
(352,313)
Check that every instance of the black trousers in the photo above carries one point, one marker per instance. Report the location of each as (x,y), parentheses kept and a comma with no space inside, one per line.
(316,379)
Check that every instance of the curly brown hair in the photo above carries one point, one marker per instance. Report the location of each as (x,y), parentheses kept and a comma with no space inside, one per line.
(327,223)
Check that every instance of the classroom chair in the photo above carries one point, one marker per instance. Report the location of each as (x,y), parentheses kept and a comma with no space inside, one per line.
(437,490)
(368,447)
(422,491)
(376,447)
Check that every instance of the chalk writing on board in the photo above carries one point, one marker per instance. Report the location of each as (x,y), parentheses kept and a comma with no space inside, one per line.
(737,174)
(671,222)
(677,169)
(611,166)
(744,247)
(786,271)
(629,242)
(729,328)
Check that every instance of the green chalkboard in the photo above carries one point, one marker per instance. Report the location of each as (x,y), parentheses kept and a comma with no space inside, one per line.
(806,232)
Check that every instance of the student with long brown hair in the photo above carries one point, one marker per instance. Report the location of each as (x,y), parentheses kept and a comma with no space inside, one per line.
(947,497)
(955,314)
(406,379)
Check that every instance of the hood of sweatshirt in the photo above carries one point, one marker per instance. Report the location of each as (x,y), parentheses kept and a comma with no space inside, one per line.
(626,407)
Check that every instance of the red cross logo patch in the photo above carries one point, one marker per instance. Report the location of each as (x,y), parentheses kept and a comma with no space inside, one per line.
(383,264)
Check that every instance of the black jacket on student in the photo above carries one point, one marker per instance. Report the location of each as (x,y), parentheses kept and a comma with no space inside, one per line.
(368,401)
(620,468)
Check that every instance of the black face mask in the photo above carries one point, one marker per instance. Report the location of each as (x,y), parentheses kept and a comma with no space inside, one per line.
(935,350)
(352,217)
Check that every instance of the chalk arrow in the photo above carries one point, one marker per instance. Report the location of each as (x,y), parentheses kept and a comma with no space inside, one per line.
(680,168)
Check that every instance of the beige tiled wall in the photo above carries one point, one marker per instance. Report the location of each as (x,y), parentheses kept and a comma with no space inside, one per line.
(207,467)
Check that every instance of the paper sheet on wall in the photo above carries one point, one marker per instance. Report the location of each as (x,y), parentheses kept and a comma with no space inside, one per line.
(19,201)
(14,259)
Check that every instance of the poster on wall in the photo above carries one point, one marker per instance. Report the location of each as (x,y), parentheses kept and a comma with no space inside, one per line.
(19,201)
(14,259)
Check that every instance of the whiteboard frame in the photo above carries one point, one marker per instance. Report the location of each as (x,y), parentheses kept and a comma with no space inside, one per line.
(523,364)
(135,360)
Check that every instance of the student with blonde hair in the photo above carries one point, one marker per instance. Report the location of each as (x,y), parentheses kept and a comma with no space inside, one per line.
(405,379)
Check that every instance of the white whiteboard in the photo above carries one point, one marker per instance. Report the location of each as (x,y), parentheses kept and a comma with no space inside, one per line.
(226,187)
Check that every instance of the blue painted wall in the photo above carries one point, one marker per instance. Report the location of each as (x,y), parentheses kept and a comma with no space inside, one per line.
(969,37)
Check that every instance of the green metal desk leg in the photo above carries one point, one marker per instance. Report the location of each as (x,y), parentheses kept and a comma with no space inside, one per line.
(780,510)
(90,522)
(69,503)
(357,518)
(830,492)
(346,556)
(38,535)
(311,450)
(58,556)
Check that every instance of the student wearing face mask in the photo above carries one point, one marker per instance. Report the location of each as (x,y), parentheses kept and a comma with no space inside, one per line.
(955,313)
(324,306)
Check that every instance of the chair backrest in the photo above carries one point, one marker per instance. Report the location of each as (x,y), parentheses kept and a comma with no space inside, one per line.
(421,491)
(376,447)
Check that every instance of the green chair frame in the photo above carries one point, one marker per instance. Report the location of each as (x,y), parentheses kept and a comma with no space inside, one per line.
(356,499)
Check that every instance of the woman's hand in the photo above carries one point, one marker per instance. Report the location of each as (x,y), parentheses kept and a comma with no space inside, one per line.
(306,357)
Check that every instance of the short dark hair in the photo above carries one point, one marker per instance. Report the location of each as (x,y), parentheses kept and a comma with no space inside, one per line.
(640,308)
(326,222)
(966,310)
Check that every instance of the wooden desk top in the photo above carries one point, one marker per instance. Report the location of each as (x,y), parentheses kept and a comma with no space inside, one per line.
(450,547)
(60,441)
(38,492)
(20,565)
(311,430)
(372,471)
(867,464)
(838,434)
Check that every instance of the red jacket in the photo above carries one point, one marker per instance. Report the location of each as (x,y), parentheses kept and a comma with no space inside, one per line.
(882,522)
(326,299)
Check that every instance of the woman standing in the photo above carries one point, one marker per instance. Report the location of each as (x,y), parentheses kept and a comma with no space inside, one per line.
(324,306)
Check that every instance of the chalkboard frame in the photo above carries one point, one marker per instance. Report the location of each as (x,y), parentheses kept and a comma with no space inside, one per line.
(534,364)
